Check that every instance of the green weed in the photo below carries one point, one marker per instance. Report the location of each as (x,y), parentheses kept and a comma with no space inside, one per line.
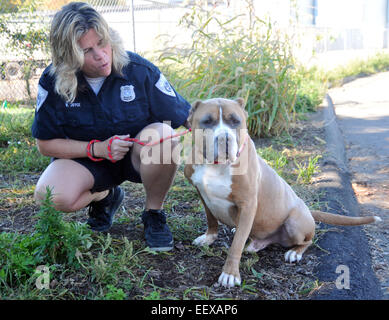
(306,171)
(256,274)
(196,292)
(308,288)
(53,241)
(154,295)
(114,293)
(250,262)
(249,286)
(59,241)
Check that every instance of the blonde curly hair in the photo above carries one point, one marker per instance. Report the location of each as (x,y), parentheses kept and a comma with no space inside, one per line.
(68,26)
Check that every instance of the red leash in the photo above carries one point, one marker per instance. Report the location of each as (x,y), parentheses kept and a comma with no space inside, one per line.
(90,145)
(131,140)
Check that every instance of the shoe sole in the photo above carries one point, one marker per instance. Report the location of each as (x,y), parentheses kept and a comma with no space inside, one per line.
(114,209)
(158,249)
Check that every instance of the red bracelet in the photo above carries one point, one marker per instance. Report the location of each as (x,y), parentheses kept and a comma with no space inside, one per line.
(109,149)
(88,152)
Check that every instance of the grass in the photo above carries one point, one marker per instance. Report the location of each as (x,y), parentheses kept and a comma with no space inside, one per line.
(359,67)
(313,83)
(276,159)
(302,172)
(18,150)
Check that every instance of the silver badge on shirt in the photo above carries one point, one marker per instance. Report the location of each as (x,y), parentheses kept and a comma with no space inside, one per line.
(127,93)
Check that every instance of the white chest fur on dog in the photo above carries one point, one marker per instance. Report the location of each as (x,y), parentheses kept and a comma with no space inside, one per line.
(214,184)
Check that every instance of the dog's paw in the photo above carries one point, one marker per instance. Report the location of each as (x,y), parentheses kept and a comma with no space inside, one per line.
(205,240)
(229,280)
(292,256)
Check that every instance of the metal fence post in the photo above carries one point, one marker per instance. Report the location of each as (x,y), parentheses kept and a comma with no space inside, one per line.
(133,24)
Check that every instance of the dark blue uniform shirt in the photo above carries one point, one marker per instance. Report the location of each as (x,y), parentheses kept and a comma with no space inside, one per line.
(124,105)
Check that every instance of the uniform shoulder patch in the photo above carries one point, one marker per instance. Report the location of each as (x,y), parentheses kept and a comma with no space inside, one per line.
(41,97)
(164,86)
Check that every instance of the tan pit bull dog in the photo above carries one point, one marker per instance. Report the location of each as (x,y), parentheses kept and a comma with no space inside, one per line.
(239,189)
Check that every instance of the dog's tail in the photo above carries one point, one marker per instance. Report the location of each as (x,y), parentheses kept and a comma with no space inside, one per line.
(339,220)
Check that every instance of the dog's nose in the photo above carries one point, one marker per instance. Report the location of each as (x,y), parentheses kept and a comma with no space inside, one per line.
(221,145)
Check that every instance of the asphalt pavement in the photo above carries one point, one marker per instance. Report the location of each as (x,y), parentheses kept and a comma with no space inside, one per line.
(362,110)
(355,178)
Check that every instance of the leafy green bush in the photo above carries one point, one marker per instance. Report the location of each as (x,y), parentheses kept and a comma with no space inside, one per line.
(59,241)
(54,241)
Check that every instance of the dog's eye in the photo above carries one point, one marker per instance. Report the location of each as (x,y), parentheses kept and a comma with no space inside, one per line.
(207,121)
(234,120)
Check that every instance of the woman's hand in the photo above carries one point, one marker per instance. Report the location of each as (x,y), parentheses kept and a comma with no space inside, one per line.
(119,148)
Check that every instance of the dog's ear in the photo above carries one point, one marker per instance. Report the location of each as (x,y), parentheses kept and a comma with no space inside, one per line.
(192,110)
(195,105)
(240,101)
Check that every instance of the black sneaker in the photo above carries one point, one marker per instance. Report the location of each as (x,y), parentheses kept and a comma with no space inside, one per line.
(101,212)
(157,233)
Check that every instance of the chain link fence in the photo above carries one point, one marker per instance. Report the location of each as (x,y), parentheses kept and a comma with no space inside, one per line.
(24,28)
(151,25)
